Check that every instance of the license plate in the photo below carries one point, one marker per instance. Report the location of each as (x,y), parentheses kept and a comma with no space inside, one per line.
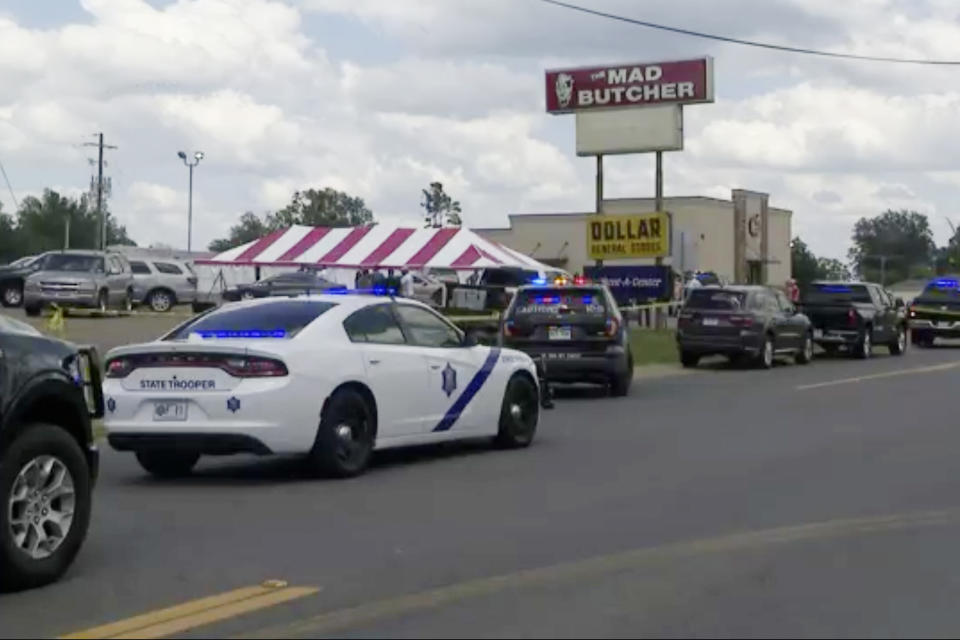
(818,333)
(710,322)
(559,333)
(64,294)
(169,411)
(562,356)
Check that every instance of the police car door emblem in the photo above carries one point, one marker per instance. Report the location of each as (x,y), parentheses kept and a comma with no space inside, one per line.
(111,405)
(233,404)
(449,380)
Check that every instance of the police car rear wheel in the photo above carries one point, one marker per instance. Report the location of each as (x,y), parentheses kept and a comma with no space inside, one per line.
(345,438)
(620,384)
(518,414)
(168,464)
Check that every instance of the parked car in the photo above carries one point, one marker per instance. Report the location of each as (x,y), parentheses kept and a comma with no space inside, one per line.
(161,284)
(92,279)
(577,330)
(49,391)
(935,313)
(11,279)
(429,290)
(855,316)
(283,284)
(751,323)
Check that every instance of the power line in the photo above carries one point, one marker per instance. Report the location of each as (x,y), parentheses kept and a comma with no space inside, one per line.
(7,180)
(750,43)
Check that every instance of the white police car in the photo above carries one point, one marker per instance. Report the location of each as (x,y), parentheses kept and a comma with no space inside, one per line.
(331,375)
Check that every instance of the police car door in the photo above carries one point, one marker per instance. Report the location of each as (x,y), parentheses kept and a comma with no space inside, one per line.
(454,378)
(396,374)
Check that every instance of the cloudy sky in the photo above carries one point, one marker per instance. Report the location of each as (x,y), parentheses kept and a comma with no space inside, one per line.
(380,97)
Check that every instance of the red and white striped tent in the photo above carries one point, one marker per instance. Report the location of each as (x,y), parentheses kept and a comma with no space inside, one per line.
(374,246)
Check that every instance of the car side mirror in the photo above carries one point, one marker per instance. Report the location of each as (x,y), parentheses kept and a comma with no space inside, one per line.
(471,339)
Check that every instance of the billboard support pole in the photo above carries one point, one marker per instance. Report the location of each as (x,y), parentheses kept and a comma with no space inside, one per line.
(658,206)
(599,190)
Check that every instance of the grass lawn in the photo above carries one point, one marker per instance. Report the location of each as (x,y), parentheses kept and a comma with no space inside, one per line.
(653,346)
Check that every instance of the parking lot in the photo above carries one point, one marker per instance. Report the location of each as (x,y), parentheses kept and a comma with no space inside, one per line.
(716,502)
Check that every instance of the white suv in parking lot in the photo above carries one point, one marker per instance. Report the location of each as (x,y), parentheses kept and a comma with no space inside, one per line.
(161,284)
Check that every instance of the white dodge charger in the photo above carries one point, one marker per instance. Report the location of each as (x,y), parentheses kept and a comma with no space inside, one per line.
(333,376)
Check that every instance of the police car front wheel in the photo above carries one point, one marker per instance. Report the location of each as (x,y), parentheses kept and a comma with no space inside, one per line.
(518,414)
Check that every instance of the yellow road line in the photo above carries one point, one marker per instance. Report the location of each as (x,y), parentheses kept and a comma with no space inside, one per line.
(877,376)
(195,613)
(331,622)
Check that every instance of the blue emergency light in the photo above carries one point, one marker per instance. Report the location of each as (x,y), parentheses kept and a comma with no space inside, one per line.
(945,283)
(246,333)
(834,288)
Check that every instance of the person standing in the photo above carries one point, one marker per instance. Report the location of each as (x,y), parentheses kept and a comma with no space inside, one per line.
(406,284)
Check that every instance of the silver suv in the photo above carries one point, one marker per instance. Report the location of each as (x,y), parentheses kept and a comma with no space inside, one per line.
(161,283)
(92,279)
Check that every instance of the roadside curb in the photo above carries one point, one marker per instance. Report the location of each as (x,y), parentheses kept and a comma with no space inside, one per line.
(651,371)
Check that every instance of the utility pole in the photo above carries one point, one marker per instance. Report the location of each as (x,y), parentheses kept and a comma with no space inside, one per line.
(599,193)
(102,235)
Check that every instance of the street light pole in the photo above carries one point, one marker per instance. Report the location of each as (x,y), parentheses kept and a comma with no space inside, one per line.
(197,157)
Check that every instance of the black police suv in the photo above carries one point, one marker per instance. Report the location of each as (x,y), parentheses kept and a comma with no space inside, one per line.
(576,331)
(935,313)
(855,316)
(744,323)
(49,391)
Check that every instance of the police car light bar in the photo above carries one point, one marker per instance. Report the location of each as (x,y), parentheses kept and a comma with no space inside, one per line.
(945,283)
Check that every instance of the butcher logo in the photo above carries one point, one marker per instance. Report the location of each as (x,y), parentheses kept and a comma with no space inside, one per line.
(753,225)
(564,88)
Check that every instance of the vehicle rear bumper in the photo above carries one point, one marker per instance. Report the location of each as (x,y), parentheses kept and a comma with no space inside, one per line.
(838,337)
(202,443)
(583,366)
(720,345)
(939,329)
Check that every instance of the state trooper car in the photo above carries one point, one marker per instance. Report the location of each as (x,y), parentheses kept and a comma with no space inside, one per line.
(332,375)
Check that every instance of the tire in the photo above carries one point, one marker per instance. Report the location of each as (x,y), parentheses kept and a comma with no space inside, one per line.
(765,357)
(168,464)
(127,301)
(864,348)
(37,445)
(899,345)
(11,295)
(160,301)
(519,414)
(103,301)
(620,385)
(805,355)
(32,310)
(688,359)
(345,438)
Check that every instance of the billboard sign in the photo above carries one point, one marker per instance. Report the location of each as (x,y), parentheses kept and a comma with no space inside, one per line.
(613,131)
(630,85)
(637,283)
(633,235)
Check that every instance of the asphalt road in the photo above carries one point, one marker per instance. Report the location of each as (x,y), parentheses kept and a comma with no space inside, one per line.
(804,501)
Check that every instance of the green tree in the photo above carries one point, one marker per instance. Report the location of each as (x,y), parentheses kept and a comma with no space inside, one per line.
(9,238)
(832,269)
(42,224)
(323,208)
(250,227)
(804,265)
(890,246)
(440,209)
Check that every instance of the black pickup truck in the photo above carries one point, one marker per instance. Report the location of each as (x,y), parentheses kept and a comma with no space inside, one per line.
(855,316)
(935,313)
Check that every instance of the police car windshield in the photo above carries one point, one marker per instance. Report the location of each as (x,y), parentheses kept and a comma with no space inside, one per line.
(555,301)
(716,299)
(281,319)
(836,294)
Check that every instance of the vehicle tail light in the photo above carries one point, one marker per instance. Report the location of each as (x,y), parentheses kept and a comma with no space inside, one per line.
(612,327)
(913,312)
(579,280)
(235,365)
(852,317)
(509,329)
(119,368)
(741,321)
